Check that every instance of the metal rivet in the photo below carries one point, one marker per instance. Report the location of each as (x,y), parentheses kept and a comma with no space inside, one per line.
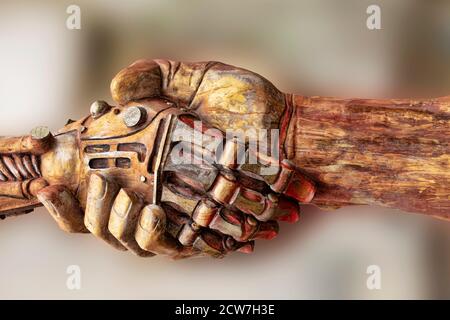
(40,132)
(143,179)
(133,116)
(99,108)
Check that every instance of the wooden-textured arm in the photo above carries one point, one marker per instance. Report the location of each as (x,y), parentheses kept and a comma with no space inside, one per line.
(394,153)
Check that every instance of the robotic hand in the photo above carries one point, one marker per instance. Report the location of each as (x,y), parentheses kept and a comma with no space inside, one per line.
(179,168)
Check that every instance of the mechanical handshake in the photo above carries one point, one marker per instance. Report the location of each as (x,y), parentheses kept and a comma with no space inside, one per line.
(180,167)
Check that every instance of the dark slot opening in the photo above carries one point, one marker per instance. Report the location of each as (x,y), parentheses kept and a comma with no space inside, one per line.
(123,163)
(97,148)
(139,148)
(98,163)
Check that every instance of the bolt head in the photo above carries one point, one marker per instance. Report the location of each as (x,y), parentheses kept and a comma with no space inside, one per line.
(40,132)
(133,116)
(99,108)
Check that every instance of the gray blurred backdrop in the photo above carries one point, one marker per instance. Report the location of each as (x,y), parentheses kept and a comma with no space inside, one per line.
(316,47)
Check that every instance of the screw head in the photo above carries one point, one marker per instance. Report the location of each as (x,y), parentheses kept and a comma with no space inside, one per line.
(98,108)
(40,132)
(133,116)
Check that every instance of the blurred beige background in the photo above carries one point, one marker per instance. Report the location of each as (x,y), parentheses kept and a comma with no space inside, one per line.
(320,47)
